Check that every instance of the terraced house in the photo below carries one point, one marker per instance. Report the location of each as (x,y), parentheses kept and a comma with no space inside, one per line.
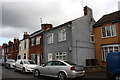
(36,44)
(71,41)
(107,36)
(24,47)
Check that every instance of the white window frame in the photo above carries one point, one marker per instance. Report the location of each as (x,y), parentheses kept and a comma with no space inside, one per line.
(62,35)
(61,55)
(50,38)
(32,41)
(33,57)
(50,55)
(112,29)
(104,53)
(92,36)
(25,44)
(38,40)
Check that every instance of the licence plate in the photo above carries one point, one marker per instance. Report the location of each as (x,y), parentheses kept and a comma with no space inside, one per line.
(81,74)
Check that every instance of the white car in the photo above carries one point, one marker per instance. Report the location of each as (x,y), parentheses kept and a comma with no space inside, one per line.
(24,65)
(10,63)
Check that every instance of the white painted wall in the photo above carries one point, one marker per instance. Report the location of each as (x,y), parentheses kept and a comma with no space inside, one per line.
(22,50)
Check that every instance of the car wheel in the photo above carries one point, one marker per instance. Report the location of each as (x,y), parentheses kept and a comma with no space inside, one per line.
(8,66)
(61,76)
(37,73)
(117,77)
(23,70)
(5,66)
(15,69)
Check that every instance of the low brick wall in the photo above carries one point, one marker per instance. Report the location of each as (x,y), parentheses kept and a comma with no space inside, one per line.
(97,68)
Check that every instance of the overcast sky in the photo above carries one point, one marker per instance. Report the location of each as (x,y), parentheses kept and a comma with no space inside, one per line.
(24,15)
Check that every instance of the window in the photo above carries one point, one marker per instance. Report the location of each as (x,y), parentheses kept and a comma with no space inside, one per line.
(38,40)
(20,46)
(33,57)
(50,38)
(107,49)
(109,31)
(62,35)
(48,63)
(24,44)
(61,56)
(24,55)
(91,37)
(33,42)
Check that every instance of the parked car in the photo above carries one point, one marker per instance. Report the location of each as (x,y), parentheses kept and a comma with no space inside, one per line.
(10,63)
(25,65)
(0,62)
(3,62)
(113,66)
(59,69)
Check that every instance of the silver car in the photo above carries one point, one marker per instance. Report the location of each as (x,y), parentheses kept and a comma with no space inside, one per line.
(59,69)
(10,63)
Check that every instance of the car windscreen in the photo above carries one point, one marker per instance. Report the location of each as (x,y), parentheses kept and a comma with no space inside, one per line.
(12,61)
(29,62)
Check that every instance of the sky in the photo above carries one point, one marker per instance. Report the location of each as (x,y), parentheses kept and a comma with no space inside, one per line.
(19,16)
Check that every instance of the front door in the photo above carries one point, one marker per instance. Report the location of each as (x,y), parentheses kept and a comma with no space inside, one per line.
(38,59)
(49,56)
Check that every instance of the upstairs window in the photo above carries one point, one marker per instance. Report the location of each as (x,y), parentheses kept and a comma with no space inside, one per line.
(61,35)
(50,38)
(92,37)
(24,44)
(38,40)
(109,31)
(32,41)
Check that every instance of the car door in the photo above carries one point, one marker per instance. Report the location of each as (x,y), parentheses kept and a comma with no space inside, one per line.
(21,65)
(58,66)
(46,68)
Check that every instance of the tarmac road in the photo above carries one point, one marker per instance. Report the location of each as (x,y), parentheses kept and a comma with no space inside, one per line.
(9,74)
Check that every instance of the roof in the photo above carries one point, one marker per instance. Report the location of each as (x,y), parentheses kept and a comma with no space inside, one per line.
(36,33)
(109,18)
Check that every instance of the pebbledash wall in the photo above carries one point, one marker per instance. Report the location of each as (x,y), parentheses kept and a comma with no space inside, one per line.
(76,46)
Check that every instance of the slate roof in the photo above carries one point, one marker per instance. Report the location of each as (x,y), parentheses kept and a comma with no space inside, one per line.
(109,18)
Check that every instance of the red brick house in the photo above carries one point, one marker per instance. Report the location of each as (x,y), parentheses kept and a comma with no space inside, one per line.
(11,49)
(107,36)
(36,44)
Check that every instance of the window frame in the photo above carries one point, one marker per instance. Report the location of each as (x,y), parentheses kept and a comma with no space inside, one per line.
(106,49)
(62,35)
(32,41)
(60,56)
(38,40)
(111,29)
(50,38)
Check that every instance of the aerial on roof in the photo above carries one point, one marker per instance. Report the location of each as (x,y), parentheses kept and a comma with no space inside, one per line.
(109,18)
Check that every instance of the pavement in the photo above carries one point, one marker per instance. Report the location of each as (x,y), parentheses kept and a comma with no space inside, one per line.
(96,75)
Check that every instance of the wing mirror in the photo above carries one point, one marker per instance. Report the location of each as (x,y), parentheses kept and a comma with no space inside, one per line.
(43,65)
(21,62)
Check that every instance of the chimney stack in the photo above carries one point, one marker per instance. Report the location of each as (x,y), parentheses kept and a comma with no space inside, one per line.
(10,42)
(4,45)
(16,39)
(25,35)
(85,10)
(46,26)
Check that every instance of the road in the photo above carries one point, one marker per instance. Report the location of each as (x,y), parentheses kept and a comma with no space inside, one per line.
(9,74)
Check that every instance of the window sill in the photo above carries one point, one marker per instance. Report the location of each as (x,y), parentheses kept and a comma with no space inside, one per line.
(108,37)
(61,41)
